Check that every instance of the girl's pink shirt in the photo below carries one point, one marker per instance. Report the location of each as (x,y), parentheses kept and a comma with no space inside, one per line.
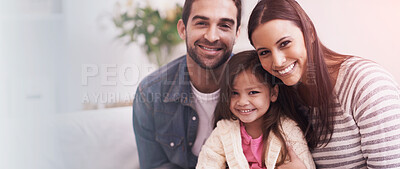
(252,149)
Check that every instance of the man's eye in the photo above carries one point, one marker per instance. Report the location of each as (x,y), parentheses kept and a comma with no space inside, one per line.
(200,23)
(225,26)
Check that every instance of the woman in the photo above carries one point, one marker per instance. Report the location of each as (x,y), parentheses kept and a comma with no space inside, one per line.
(352,104)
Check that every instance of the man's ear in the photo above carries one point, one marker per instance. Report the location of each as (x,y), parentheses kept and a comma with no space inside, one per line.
(274,93)
(181,29)
(238,32)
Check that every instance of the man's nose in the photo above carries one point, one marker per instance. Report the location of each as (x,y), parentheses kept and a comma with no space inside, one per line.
(212,34)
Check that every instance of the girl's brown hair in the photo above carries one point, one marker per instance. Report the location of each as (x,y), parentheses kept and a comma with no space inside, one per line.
(247,61)
(319,81)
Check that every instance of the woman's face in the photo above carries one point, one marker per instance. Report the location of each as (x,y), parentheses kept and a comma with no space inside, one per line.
(280,47)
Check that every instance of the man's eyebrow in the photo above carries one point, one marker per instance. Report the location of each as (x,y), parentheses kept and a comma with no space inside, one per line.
(200,17)
(231,21)
(206,18)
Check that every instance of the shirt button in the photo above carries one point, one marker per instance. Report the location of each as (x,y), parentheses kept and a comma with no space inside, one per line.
(194,118)
(190,143)
(172,144)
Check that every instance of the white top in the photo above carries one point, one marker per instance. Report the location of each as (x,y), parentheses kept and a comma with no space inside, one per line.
(367,119)
(205,104)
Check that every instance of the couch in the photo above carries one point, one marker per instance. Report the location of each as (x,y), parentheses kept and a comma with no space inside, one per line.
(95,139)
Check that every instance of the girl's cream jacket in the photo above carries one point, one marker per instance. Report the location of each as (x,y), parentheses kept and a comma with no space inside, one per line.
(225,146)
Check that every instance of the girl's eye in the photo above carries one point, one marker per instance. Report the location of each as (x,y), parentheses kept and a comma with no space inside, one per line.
(235,93)
(285,43)
(253,92)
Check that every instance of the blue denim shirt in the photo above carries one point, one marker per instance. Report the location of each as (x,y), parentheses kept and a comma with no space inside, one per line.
(164,119)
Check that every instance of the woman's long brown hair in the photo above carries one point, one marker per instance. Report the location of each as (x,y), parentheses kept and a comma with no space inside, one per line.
(284,106)
(319,86)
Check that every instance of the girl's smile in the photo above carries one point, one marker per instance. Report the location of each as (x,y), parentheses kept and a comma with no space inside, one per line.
(250,98)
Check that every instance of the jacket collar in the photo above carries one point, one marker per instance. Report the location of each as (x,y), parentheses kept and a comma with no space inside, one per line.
(179,88)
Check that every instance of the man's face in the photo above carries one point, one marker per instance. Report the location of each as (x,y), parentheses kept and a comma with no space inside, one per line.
(210,32)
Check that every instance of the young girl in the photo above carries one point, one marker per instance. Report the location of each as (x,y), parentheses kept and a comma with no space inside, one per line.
(252,126)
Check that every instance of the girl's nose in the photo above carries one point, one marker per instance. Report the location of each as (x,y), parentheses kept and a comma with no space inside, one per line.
(243,101)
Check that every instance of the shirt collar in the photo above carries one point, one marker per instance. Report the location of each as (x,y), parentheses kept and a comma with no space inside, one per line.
(246,138)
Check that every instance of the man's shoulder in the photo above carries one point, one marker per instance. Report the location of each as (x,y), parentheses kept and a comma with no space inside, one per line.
(166,73)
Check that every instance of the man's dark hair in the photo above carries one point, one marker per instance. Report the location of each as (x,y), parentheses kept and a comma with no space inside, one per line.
(188,7)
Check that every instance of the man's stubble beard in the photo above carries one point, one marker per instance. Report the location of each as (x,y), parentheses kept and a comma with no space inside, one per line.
(192,53)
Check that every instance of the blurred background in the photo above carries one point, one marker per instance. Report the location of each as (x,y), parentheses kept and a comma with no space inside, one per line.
(69,69)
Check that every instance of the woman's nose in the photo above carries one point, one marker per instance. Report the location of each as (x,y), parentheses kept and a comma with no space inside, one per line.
(279,59)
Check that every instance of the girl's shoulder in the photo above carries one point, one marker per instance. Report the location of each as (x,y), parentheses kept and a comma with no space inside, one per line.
(227,124)
(287,122)
(289,126)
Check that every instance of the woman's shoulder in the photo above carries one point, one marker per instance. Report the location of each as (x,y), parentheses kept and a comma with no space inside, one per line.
(357,66)
(356,72)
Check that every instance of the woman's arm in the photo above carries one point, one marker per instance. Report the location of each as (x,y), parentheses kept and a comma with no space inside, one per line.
(375,106)
(295,161)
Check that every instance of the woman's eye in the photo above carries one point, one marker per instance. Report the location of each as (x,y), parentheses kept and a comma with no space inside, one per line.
(234,93)
(265,52)
(285,43)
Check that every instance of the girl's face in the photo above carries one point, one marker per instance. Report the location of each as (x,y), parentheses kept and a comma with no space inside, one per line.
(250,98)
(280,47)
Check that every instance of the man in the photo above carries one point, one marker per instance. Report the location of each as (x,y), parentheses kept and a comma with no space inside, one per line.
(173,107)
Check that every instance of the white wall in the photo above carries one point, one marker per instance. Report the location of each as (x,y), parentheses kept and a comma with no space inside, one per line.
(29,42)
(91,42)
(44,47)
(366,28)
